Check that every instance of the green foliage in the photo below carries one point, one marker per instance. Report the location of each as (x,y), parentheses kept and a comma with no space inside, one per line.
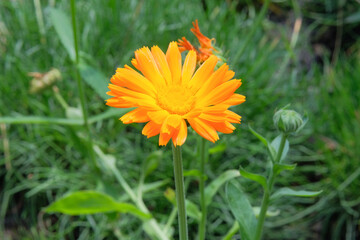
(290,192)
(90,202)
(213,187)
(242,211)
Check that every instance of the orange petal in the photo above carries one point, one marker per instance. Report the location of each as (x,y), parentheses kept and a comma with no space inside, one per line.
(189,66)
(164,138)
(174,120)
(232,117)
(203,129)
(180,136)
(220,93)
(214,81)
(148,104)
(148,66)
(151,129)
(235,99)
(213,117)
(118,103)
(203,73)
(224,127)
(173,58)
(134,81)
(161,62)
(135,64)
(138,115)
(158,116)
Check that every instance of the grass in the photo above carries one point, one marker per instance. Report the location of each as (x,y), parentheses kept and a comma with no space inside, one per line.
(42,162)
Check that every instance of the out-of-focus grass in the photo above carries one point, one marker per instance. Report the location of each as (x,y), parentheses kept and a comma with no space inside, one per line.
(48,161)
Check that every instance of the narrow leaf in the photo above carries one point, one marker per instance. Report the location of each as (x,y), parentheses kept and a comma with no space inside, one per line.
(289,192)
(261,138)
(90,202)
(255,177)
(242,210)
(278,167)
(214,186)
(95,79)
(61,23)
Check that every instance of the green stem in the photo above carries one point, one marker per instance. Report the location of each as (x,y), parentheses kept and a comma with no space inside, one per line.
(180,192)
(281,148)
(80,86)
(267,192)
(202,225)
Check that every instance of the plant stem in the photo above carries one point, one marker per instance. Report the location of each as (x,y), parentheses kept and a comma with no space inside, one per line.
(180,193)
(202,225)
(281,148)
(264,207)
(81,88)
(266,198)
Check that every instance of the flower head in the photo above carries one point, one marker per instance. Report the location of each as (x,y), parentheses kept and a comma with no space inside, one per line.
(168,94)
(206,48)
(288,121)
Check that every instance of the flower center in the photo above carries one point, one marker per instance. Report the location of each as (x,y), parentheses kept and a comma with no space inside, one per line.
(176,99)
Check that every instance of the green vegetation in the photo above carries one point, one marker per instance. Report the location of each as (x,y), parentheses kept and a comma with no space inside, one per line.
(44,147)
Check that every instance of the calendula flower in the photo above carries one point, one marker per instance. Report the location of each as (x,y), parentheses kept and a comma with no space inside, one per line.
(168,94)
(206,48)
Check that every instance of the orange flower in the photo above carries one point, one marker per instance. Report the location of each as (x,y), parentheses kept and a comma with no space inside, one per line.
(168,94)
(205,50)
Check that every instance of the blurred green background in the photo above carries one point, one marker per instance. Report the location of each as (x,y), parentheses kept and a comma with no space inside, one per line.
(305,53)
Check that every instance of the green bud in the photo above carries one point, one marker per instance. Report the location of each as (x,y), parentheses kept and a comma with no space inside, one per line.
(288,121)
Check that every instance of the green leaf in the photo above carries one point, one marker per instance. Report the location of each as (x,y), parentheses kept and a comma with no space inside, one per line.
(289,192)
(255,177)
(62,25)
(214,186)
(192,210)
(261,138)
(194,173)
(242,210)
(90,202)
(95,79)
(276,145)
(278,167)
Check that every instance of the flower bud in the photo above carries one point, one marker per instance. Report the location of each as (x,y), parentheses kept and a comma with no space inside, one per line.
(288,121)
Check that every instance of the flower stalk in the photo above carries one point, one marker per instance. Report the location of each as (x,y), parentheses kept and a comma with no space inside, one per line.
(202,225)
(180,192)
(267,192)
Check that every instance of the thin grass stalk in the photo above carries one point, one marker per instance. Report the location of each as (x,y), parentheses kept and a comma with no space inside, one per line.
(253,29)
(81,88)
